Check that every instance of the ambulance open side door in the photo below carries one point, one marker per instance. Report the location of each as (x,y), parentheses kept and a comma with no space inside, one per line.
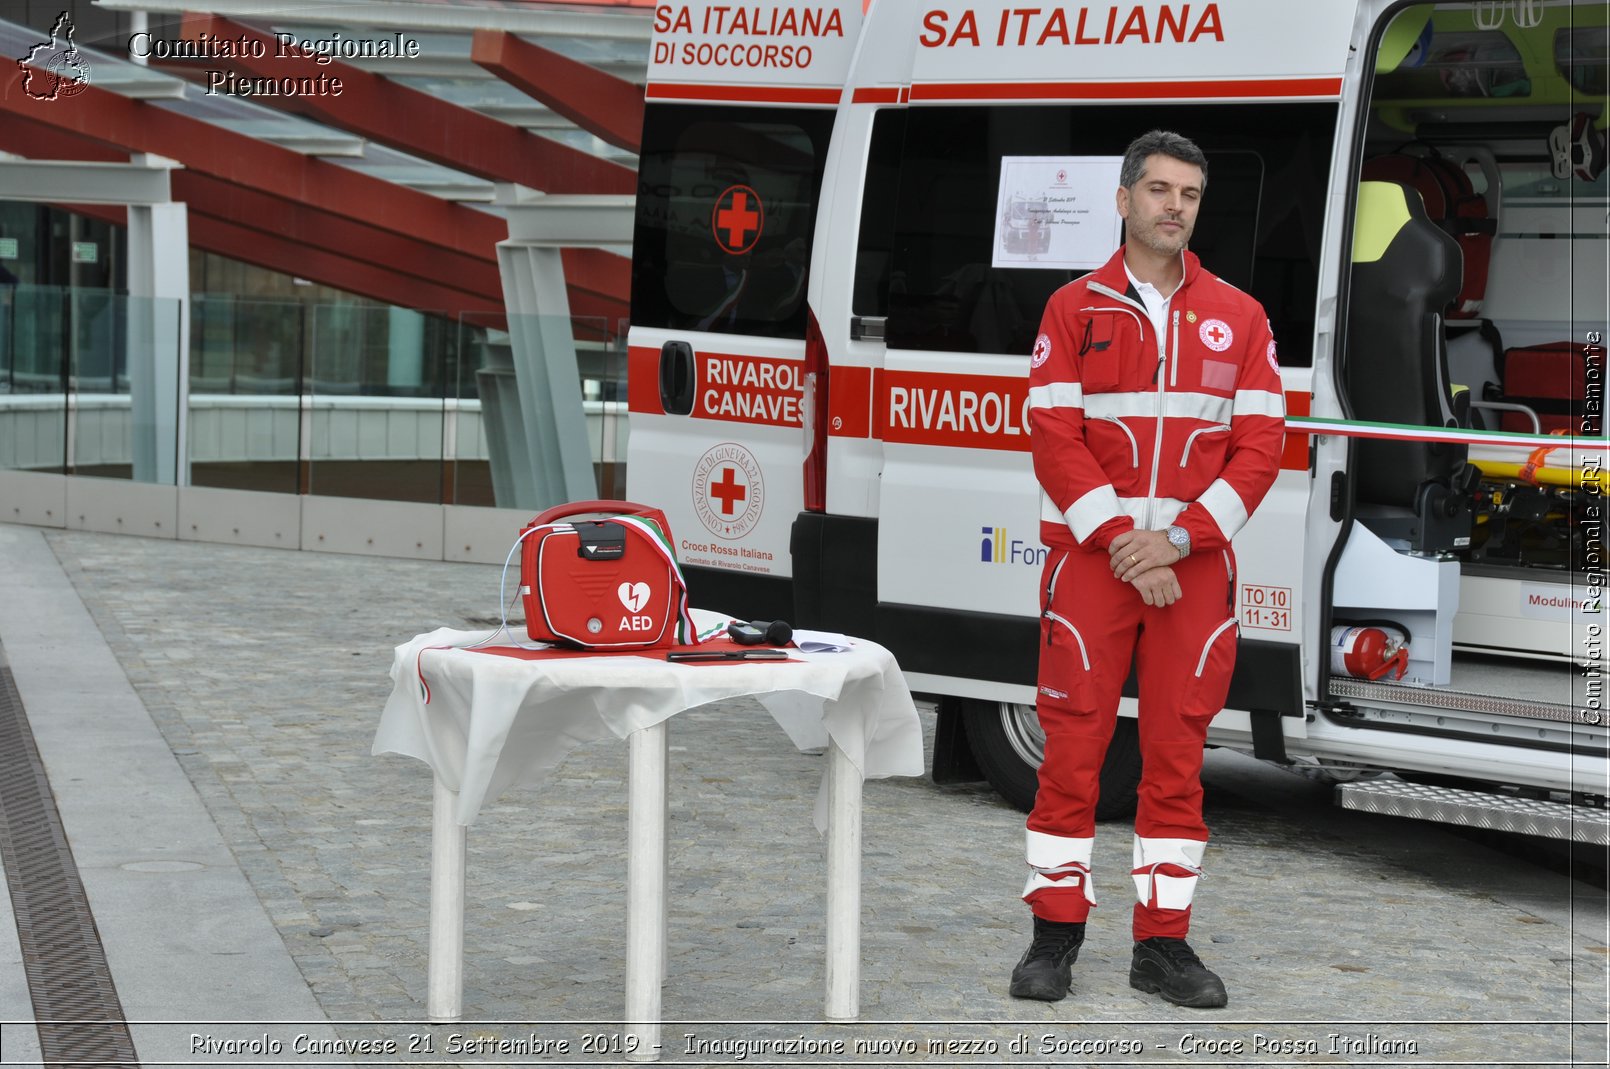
(739,115)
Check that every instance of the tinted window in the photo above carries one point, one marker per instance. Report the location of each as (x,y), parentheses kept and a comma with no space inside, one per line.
(1260,226)
(871,294)
(726,203)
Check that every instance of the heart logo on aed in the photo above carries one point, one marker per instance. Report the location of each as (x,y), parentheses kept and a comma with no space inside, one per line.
(633,595)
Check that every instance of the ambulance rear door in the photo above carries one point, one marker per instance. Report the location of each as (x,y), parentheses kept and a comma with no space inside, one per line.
(739,116)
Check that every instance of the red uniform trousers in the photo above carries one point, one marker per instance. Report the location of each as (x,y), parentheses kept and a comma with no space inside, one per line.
(1090,626)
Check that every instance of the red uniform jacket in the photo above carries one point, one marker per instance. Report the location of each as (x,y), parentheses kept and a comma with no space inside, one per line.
(1129,429)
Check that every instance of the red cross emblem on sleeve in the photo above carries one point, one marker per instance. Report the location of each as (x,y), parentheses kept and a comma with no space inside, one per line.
(737,219)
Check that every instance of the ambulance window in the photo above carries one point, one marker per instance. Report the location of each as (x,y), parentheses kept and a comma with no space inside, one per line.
(878,199)
(726,204)
(1582,57)
(1260,226)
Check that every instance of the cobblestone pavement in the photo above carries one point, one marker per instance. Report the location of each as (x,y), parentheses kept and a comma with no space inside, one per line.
(266,672)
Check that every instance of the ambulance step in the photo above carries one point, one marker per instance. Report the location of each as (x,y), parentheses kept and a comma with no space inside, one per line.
(1477,809)
(1371,693)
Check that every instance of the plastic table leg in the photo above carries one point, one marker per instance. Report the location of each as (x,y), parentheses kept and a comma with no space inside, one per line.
(445,969)
(645,888)
(843,888)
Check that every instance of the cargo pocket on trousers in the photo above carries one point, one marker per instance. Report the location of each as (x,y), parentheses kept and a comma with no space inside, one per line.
(1215,664)
(1064,667)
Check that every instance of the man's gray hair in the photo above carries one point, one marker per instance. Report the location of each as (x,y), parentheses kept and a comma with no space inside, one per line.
(1159,143)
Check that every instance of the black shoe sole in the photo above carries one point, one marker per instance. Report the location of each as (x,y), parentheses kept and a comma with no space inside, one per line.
(1038,993)
(1205,1000)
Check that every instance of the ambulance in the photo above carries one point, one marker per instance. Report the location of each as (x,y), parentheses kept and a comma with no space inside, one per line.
(835,297)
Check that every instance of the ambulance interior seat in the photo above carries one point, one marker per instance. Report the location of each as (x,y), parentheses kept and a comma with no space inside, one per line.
(1414,495)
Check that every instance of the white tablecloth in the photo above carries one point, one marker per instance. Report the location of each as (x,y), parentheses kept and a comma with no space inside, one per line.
(493,722)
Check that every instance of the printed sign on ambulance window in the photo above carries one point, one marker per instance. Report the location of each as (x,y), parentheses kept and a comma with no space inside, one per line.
(1057,212)
(726,204)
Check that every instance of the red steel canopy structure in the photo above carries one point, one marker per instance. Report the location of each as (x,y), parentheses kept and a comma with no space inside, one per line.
(417,174)
(387,188)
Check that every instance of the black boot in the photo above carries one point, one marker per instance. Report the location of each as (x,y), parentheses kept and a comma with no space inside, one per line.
(1169,967)
(1045,971)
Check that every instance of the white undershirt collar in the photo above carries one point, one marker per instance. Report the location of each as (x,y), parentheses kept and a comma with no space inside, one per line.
(1156,304)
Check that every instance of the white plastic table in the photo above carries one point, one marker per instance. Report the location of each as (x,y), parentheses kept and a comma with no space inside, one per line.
(486,722)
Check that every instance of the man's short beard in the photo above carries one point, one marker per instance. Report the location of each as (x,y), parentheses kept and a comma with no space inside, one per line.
(1150,237)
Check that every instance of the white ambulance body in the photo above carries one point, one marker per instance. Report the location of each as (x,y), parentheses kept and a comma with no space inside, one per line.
(849,222)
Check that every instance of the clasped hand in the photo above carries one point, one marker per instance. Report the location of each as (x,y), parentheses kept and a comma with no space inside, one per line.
(1143,559)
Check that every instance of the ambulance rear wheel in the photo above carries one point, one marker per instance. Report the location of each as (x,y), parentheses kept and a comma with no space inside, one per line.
(1008,744)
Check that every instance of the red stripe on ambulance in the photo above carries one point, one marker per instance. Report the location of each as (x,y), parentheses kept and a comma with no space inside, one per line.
(643,381)
(1284,88)
(748,389)
(849,405)
(742,94)
(1294,457)
(991,412)
(905,407)
(967,411)
(730,387)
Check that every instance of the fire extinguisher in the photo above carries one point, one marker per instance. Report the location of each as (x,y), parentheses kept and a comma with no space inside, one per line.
(1369,652)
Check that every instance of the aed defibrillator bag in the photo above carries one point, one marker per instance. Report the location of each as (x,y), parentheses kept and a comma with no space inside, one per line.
(610,583)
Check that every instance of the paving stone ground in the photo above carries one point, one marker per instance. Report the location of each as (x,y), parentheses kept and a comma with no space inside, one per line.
(266,672)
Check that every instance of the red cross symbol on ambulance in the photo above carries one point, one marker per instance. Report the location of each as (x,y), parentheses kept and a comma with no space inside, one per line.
(737,219)
(728,490)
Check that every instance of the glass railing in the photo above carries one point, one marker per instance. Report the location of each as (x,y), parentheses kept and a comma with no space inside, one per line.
(344,400)
(88,383)
(496,461)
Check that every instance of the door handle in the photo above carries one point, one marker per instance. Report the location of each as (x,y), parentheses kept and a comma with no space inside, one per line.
(676,378)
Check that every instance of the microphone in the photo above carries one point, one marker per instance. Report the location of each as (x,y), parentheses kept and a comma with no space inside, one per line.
(772,632)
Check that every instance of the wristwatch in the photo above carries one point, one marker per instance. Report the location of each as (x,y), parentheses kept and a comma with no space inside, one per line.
(1180,539)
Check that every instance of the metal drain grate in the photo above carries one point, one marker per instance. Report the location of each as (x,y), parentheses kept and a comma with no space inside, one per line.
(79,1017)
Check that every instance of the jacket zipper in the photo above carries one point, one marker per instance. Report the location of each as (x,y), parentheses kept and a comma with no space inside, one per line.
(1157,377)
(1050,592)
(1083,655)
(1191,438)
(1174,368)
(1135,309)
(1134,446)
(1096,308)
(1207,647)
(1051,584)
(1157,447)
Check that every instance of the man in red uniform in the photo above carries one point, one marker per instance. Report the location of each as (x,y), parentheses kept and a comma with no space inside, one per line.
(1157,419)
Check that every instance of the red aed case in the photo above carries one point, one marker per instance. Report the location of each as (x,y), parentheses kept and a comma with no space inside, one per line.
(1552,380)
(606,583)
